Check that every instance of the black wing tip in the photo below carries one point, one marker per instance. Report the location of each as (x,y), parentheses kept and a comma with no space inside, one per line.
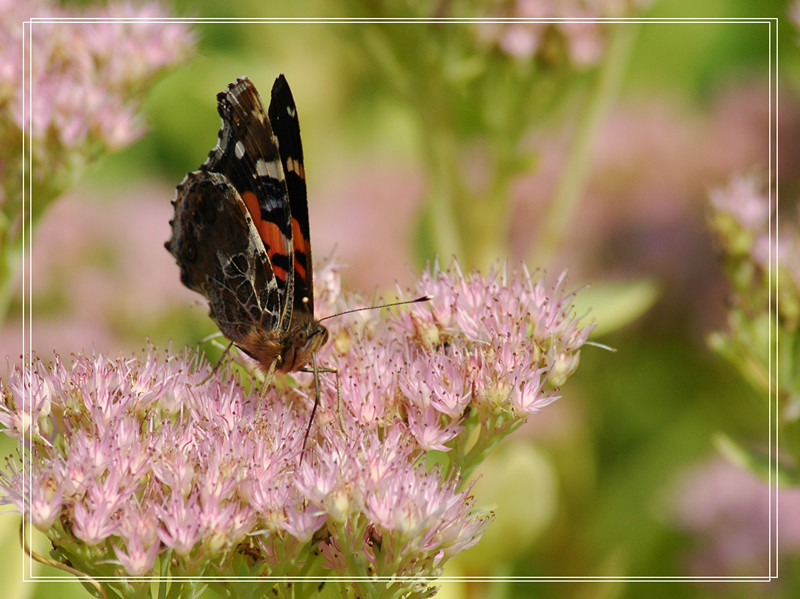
(236,87)
(280,81)
(282,92)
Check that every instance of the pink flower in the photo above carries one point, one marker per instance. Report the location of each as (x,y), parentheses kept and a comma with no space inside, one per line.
(794,13)
(425,425)
(758,250)
(536,23)
(139,533)
(728,512)
(179,517)
(88,74)
(744,200)
(46,501)
(142,457)
(138,559)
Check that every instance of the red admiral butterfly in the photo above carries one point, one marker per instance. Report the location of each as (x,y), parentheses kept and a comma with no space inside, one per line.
(240,233)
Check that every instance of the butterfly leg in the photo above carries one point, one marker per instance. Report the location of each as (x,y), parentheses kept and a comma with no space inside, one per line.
(338,398)
(270,374)
(316,403)
(315,371)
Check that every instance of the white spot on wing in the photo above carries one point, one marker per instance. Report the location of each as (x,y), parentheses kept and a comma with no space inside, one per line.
(294,166)
(269,169)
(239,149)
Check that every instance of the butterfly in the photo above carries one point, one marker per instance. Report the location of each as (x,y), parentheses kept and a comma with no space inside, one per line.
(240,233)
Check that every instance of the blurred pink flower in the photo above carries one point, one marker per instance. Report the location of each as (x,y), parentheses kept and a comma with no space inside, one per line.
(100,276)
(743,218)
(727,509)
(86,81)
(744,200)
(536,21)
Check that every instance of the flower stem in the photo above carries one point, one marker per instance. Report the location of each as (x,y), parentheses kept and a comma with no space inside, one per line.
(573,179)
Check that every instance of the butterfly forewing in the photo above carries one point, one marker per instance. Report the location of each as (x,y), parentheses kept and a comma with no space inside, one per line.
(286,126)
(247,154)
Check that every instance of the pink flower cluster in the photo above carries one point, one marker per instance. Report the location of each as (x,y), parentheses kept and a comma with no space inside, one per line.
(794,14)
(86,79)
(534,24)
(745,202)
(732,515)
(759,248)
(483,355)
(136,460)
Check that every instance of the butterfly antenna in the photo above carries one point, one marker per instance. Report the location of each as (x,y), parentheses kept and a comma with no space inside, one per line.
(424,298)
(308,429)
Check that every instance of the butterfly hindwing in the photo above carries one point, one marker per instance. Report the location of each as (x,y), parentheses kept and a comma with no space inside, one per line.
(230,269)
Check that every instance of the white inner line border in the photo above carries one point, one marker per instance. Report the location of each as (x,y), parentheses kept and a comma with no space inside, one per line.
(773,411)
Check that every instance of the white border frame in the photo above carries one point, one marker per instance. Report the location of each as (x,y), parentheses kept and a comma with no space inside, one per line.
(27,275)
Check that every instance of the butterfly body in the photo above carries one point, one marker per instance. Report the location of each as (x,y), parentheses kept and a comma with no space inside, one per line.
(240,232)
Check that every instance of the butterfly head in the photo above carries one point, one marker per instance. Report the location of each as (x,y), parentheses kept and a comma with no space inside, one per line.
(304,340)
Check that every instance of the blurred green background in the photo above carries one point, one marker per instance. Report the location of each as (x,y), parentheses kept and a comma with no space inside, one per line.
(605,481)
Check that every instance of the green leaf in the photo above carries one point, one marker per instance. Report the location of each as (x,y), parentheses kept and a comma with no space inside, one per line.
(756,462)
(614,305)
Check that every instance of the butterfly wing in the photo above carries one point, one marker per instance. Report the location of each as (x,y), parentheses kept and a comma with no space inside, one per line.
(286,126)
(221,256)
(240,233)
(247,155)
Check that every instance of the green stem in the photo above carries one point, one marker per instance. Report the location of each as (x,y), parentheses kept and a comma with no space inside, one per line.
(573,179)
(385,44)
(490,222)
(440,156)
